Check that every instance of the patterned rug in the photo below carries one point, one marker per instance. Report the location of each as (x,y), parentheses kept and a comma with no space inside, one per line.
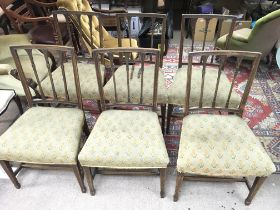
(262,112)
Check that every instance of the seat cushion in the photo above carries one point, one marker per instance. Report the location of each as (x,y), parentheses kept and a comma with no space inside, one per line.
(88,82)
(5,69)
(177,90)
(125,139)
(5,97)
(135,86)
(43,135)
(113,43)
(242,34)
(125,42)
(39,61)
(8,82)
(221,145)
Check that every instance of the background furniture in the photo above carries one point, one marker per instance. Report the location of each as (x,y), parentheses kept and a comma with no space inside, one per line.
(215,143)
(125,140)
(4,22)
(89,29)
(262,38)
(45,136)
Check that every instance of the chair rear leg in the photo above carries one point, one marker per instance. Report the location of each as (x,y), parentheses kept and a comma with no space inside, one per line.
(163,114)
(254,189)
(179,181)
(9,171)
(78,175)
(162,182)
(169,114)
(89,180)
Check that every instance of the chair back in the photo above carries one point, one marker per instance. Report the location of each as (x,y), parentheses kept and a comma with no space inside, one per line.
(63,54)
(141,64)
(202,28)
(41,8)
(152,25)
(84,26)
(16,11)
(265,33)
(227,59)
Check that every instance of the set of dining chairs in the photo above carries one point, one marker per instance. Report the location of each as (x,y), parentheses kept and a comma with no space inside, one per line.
(216,144)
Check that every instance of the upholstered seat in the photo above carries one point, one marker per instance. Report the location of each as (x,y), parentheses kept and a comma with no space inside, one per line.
(113,42)
(62,128)
(242,34)
(125,139)
(87,77)
(225,146)
(8,82)
(135,85)
(177,90)
(39,61)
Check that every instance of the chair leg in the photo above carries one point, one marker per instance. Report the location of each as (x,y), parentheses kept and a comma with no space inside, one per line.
(85,128)
(89,180)
(169,113)
(254,189)
(163,114)
(17,100)
(8,169)
(78,175)
(162,182)
(179,181)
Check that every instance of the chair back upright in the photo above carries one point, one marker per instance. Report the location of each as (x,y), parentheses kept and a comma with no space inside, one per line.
(142,98)
(156,25)
(194,25)
(227,59)
(63,62)
(82,26)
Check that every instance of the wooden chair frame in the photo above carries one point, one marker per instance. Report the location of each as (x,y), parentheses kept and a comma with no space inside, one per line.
(191,20)
(43,101)
(153,16)
(97,54)
(224,55)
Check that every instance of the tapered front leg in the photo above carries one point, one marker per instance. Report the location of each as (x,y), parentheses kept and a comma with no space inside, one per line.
(254,189)
(9,171)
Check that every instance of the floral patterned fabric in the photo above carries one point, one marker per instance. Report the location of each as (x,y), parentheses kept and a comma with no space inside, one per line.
(125,139)
(88,82)
(135,86)
(221,145)
(177,90)
(44,135)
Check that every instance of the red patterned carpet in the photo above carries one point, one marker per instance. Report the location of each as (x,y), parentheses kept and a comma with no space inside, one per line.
(262,110)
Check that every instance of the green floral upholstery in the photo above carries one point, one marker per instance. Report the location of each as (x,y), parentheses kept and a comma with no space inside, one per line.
(135,86)
(44,135)
(39,61)
(88,82)
(6,57)
(221,145)
(177,90)
(125,139)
